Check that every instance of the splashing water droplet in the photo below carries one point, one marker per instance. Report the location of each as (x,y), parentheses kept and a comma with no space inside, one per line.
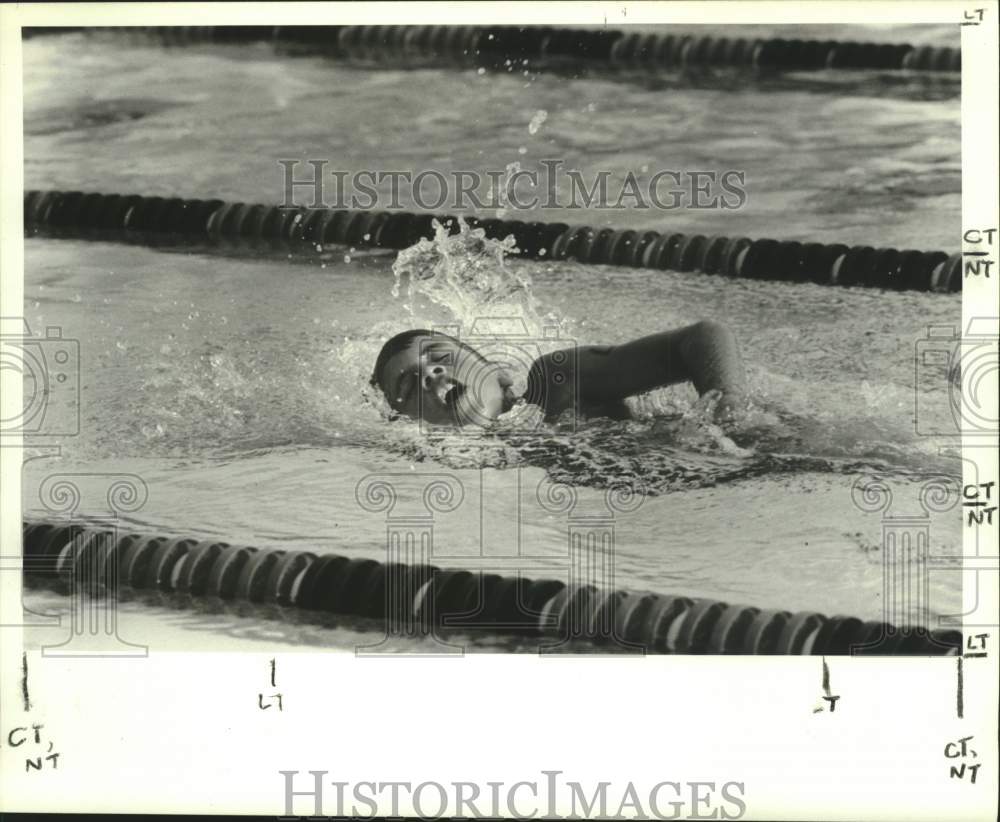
(500,190)
(536,122)
(468,274)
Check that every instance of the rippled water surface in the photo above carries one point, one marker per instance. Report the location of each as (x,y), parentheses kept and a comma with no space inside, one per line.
(232,381)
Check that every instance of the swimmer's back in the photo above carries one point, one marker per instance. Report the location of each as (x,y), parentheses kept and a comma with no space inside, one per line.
(596,379)
(581,377)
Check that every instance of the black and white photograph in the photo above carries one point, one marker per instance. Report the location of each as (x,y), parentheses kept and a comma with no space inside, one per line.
(564,333)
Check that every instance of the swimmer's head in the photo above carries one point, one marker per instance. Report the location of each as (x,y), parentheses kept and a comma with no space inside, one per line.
(432,377)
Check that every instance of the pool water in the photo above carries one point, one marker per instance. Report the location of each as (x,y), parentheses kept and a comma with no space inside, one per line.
(233,381)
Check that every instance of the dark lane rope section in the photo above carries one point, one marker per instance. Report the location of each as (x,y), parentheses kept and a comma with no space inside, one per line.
(505,46)
(131,217)
(412,600)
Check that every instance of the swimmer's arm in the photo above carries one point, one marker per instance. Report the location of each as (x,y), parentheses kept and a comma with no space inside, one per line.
(705,354)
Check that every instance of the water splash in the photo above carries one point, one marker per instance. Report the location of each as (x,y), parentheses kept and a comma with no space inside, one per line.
(470,276)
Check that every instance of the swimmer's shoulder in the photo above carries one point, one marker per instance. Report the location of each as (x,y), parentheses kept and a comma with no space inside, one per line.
(554,383)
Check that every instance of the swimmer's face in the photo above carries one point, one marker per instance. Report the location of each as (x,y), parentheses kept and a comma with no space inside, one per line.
(441,381)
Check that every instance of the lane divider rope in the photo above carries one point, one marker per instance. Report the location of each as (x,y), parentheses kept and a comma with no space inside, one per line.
(132,217)
(413,600)
(505,46)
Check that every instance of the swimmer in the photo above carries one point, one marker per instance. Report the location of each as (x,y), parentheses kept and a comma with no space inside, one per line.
(434,377)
